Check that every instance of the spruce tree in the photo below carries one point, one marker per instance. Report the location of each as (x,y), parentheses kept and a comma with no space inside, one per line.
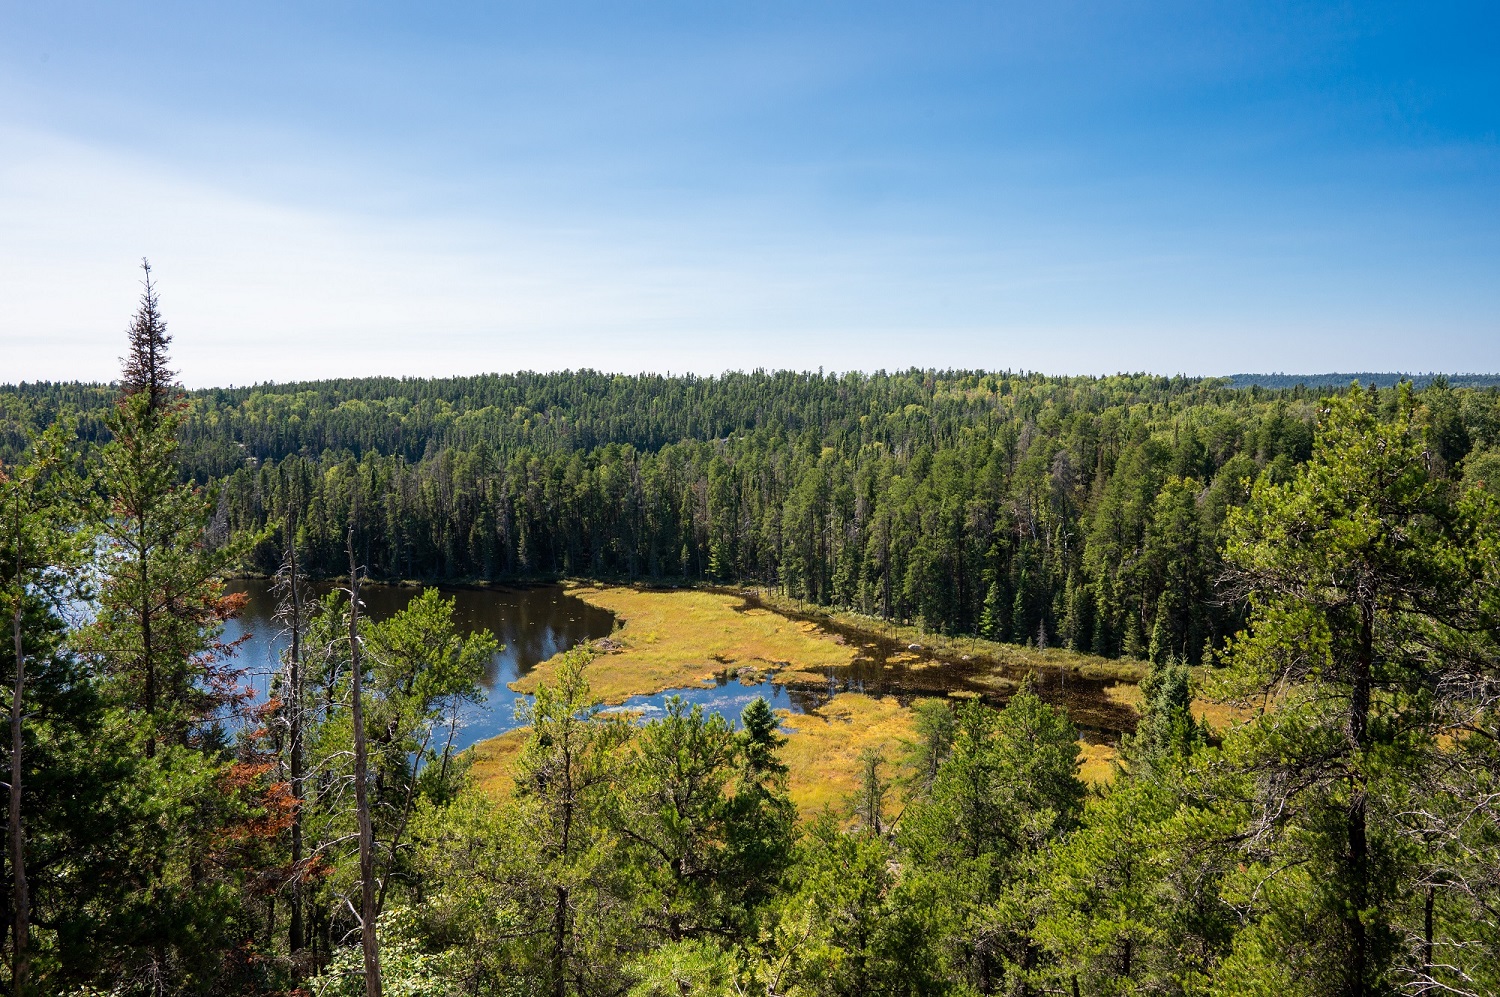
(991,619)
(157,637)
(145,367)
(162,600)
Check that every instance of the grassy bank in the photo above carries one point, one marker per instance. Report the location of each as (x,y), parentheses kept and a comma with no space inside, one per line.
(674,638)
(1008,657)
(824,746)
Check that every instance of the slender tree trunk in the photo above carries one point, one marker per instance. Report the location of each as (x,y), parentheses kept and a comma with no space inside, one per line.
(1427,934)
(296,937)
(400,832)
(560,910)
(1357,858)
(448,746)
(21,955)
(368,941)
(148,660)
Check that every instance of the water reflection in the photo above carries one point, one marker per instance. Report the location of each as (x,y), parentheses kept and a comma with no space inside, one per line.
(726,697)
(532,624)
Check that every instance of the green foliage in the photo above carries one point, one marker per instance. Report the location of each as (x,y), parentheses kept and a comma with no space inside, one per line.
(161,601)
(672,816)
(966,500)
(1008,789)
(146,837)
(1167,731)
(848,928)
(1368,578)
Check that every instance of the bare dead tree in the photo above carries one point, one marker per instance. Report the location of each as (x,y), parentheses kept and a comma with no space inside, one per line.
(291,583)
(367,910)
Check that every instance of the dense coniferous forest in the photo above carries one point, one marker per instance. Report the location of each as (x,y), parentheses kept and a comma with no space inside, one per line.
(1335,556)
(1083,512)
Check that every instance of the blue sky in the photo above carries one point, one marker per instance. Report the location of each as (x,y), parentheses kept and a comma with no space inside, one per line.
(353,188)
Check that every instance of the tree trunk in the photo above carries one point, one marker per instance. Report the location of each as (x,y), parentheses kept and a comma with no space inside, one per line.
(148,660)
(21,956)
(296,937)
(559,942)
(560,911)
(1357,858)
(368,941)
(1427,935)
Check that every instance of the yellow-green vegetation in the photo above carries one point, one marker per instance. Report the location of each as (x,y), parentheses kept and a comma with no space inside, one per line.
(824,746)
(673,638)
(823,753)
(1096,763)
(1222,716)
(492,762)
(670,639)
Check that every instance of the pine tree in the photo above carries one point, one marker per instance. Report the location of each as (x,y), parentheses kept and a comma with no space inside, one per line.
(158,638)
(1156,651)
(563,778)
(991,622)
(162,602)
(1367,582)
(760,740)
(1167,730)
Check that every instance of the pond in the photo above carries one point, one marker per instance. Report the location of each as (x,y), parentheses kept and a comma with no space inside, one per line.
(534,623)
(886,667)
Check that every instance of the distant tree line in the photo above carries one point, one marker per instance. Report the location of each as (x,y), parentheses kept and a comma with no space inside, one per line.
(1384,379)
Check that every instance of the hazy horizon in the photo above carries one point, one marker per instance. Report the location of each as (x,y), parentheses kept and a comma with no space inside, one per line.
(1242,379)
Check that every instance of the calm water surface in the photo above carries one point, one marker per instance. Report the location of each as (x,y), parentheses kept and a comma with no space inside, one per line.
(532,624)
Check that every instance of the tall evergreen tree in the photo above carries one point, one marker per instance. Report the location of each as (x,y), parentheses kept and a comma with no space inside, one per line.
(1366,578)
(162,602)
(157,636)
